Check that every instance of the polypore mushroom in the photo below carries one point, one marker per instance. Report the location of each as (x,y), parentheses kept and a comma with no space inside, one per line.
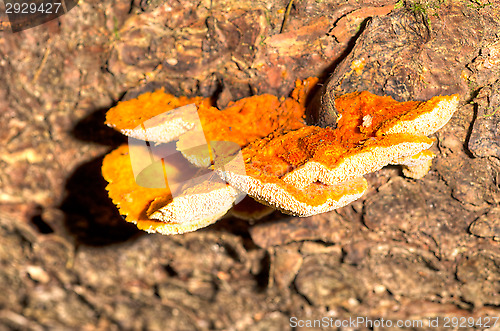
(371,133)
(166,121)
(306,190)
(155,209)
(197,207)
(159,116)
(314,199)
(332,164)
(416,166)
(302,170)
(200,204)
(131,199)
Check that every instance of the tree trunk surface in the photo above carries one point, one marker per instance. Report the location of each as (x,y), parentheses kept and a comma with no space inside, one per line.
(409,250)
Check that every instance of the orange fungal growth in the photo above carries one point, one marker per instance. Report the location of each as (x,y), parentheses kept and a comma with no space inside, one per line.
(314,199)
(371,133)
(156,116)
(128,116)
(416,166)
(299,169)
(131,199)
(154,209)
(197,207)
(242,121)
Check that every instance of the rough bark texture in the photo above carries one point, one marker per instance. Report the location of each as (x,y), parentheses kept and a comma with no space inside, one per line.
(409,249)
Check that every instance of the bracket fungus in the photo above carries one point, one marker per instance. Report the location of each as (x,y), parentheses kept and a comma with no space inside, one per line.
(161,109)
(260,146)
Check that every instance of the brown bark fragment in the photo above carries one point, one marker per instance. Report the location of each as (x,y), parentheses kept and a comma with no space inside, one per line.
(485,136)
(487,225)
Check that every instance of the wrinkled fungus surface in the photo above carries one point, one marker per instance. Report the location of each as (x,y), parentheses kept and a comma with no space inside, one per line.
(299,169)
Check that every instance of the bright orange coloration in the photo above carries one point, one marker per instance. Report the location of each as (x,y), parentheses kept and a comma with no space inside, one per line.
(138,203)
(353,107)
(350,132)
(299,169)
(252,118)
(131,199)
(302,166)
(269,160)
(248,120)
(132,113)
(241,122)
(327,145)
